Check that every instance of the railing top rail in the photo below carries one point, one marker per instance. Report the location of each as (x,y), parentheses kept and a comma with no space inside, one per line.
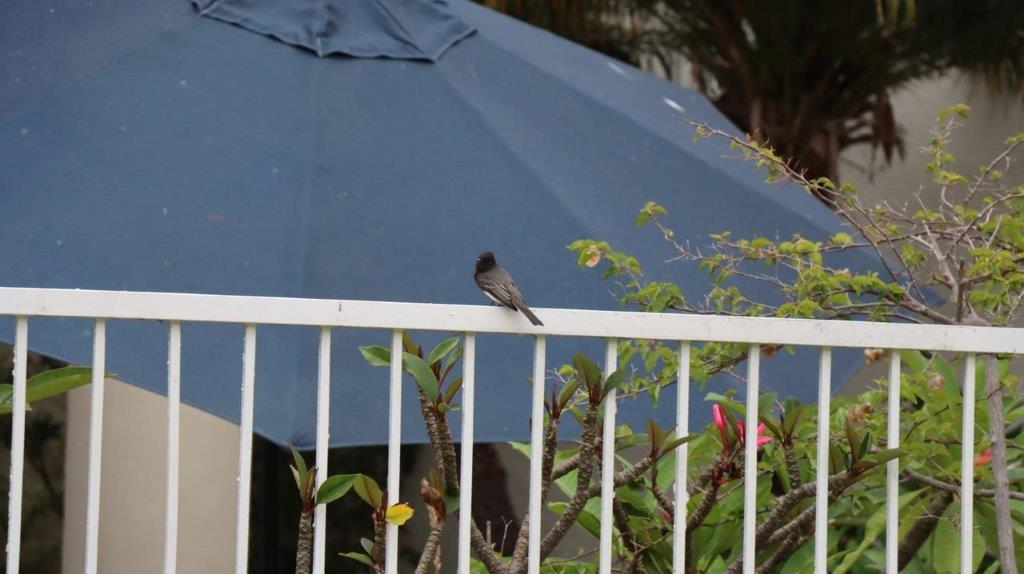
(484,319)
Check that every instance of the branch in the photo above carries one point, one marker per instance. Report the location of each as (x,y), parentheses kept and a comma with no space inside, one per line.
(792,467)
(548,461)
(997,428)
(922,309)
(781,554)
(572,512)
(446,446)
(430,420)
(983,176)
(802,521)
(700,513)
(436,510)
(522,545)
(588,442)
(622,523)
(485,552)
(663,500)
(430,550)
(836,484)
(941,485)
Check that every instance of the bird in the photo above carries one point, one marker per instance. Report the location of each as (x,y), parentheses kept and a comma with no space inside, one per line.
(499,286)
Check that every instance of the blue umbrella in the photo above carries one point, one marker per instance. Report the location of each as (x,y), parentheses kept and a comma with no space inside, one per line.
(346,149)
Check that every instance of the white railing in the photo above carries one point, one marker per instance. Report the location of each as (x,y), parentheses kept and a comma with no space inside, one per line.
(327,314)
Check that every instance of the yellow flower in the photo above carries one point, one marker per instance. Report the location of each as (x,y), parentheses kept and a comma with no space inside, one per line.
(398,514)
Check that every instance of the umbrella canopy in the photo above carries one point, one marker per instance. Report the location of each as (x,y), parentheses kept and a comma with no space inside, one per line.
(346,149)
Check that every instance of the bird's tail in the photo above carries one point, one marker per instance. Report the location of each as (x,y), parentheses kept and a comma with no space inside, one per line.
(529,315)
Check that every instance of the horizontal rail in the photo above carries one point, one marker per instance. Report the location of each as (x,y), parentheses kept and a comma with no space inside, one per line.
(484,319)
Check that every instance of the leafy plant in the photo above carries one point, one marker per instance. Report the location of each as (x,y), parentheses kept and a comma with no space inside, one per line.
(333,488)
(961,239)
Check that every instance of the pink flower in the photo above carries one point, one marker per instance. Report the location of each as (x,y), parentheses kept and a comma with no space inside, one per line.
(719,419)
(761,437)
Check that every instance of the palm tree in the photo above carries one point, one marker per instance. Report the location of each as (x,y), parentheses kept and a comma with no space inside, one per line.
(810,78)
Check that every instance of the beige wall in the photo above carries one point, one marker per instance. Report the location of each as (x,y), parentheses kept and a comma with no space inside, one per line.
(993,119)
(134,485)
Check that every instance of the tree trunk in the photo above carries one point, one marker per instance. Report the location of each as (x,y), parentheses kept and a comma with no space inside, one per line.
(304,551)
(997,427)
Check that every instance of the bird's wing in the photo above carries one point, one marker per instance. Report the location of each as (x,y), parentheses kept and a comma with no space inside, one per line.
(499,291)
(500,285)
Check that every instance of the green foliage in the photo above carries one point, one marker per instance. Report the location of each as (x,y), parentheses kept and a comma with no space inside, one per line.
(376,355)
(430,374)
(46,384)
(305,480)
(929,431)
(359,557)
(368,490)
(968,245)
(334,488)
(426,380)
(649,210)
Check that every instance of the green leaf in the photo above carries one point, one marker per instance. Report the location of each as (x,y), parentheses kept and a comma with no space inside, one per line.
(654,432)
(567,391)
(408,345)
(424,376)
(773,428)
(836,459)
(854,440)
(358,558)
(367,545)
(676,443)
(376,355)
(587,371)
(588,518)
(793,417)
(865,443)
(453,388)
(878,458)
(946,544)
(521,447)
(649,210)
(442,350)
(914,360)
(367,489)
(47,384)
(450,360)
(300,472)
(335,487)
(614,381)
(873,529)
(841,239)
(725,401)
(299,462)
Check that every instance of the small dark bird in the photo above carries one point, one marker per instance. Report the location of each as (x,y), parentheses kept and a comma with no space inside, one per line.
(497,284)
